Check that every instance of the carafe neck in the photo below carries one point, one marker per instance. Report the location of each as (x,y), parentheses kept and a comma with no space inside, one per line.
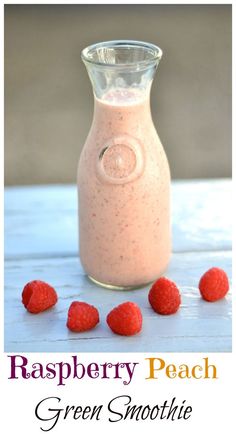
(117,68)
(121,112)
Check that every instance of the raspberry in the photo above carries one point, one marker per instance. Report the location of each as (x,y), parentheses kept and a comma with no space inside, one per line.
(38,296)
(214,284)
(164,296)
(125,319)
(82,316)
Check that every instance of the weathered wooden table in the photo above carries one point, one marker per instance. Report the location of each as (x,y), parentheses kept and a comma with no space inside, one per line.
(41,243)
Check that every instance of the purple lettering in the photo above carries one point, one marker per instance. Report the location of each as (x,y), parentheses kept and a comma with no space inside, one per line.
(23,361)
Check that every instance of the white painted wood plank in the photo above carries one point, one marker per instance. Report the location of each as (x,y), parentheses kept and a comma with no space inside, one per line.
(198,326)
(42,221)
(202,215)
(176,345)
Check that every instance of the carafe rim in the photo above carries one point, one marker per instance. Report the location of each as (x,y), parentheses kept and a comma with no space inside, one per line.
(152,52)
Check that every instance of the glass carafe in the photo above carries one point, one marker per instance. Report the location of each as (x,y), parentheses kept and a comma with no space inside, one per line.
(123,172)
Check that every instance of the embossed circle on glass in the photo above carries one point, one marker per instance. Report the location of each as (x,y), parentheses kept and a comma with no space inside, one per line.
(121,160)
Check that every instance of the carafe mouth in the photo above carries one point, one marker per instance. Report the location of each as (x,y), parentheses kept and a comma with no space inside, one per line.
(122,54)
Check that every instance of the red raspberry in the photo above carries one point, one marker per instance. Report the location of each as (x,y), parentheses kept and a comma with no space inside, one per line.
(38,296)
(164,296)
(214,284)
(82,316)
(125,319)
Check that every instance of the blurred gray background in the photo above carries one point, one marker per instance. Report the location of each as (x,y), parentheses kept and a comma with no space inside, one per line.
(48,96)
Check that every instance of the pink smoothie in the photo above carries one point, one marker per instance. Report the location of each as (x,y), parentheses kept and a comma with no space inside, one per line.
(124,193)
